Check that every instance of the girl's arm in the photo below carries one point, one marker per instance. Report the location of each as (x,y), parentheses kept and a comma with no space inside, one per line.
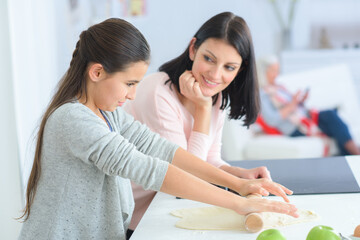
(180,183)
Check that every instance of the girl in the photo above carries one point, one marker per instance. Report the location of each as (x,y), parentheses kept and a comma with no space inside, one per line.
(88,149)
(185,101)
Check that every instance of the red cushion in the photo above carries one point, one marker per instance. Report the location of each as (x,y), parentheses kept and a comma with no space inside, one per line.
(266,128)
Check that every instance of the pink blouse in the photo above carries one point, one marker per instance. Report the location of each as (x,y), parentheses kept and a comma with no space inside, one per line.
(159,107)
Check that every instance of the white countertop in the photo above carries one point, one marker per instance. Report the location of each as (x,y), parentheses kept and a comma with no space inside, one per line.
(340,211)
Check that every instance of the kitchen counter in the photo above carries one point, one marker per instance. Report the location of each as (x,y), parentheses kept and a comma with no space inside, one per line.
(340,211)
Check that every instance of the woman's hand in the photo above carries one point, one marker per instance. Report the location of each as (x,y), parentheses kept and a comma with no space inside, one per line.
(253,173)
(263,187)
(200,106)
(296,99)
(305,96)
(246,206)
(291,106)
(190,88)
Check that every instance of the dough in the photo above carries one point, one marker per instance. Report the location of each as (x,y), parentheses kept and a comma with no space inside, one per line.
(217,218)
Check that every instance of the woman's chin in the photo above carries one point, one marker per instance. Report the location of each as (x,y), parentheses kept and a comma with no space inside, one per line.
(207,92)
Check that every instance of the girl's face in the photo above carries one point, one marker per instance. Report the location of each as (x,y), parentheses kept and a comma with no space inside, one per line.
(215,65)
(112,90)
(272,72)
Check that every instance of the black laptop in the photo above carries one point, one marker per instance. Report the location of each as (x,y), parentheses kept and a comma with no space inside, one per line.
(310,175)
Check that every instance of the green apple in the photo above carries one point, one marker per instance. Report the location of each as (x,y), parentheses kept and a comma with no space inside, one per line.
(271,234)
(322,233)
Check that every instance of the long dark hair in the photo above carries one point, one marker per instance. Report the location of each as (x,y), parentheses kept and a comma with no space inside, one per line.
(242,95)
(113,43)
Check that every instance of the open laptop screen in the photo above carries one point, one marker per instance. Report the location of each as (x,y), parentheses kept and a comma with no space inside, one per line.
(310,175)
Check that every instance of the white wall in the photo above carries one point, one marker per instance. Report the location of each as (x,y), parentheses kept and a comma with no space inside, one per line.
(169,25)
(35,70)
(10,191)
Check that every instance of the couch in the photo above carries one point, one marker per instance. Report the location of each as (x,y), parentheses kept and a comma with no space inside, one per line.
(330,87)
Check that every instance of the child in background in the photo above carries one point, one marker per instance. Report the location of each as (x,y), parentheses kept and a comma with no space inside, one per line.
(88,149)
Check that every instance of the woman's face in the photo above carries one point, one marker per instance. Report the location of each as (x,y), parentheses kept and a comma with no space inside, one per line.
(113,90)
(215,65)
(272,73)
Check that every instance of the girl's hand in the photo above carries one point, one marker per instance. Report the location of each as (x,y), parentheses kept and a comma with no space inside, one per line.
(252,205)
(190,88)
(263,187)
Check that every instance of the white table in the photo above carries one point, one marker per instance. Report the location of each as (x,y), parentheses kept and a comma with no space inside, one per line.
(340,211)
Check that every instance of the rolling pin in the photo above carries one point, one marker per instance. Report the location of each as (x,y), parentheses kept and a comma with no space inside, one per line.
(254,221)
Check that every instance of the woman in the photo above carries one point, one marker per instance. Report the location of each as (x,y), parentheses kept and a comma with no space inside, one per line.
(285,112)
(185,101)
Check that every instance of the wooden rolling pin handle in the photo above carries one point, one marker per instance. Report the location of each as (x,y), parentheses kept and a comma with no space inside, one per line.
(253,221)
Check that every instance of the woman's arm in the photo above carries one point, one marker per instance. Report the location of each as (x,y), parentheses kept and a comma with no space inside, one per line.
(202,119)
(270,112)
(209,173)
(199,106)
(214,154)
(165,115)
(253,173)
(180,183)
(290,107)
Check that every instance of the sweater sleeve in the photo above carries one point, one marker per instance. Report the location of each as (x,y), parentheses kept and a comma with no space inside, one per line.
(174,127)
(145,140)
(86,137)
(214,155)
